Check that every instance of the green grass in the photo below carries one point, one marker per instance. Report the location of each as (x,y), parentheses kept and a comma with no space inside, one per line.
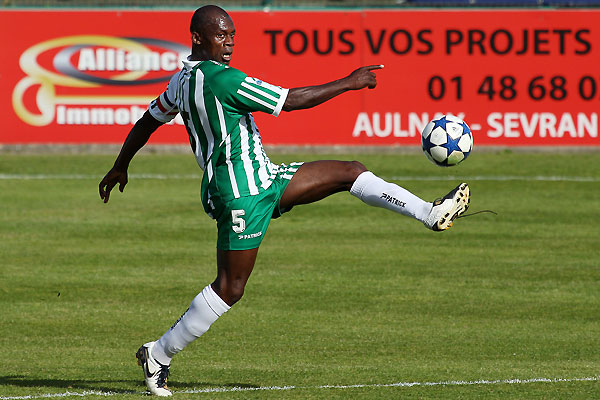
(342,294)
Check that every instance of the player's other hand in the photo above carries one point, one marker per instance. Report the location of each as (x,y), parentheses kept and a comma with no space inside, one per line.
(110,180)
(363,77)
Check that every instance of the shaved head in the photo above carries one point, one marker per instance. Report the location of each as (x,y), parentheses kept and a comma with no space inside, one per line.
(206,16)
(213,34)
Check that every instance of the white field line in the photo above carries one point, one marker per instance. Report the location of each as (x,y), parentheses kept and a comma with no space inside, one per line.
(286,388)
(26,177)
(539,178)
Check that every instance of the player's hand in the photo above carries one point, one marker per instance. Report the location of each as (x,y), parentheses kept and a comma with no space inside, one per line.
(364,77)
(110,180)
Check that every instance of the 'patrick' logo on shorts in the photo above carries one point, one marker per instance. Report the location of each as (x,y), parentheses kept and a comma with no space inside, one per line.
(250,236)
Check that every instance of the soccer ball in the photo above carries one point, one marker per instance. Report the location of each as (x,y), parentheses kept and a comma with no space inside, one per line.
(447,140)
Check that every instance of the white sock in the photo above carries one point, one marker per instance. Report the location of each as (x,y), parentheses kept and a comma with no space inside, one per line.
(376,192)
(205,309)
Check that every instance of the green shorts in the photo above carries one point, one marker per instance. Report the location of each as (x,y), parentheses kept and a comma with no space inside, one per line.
(243,222)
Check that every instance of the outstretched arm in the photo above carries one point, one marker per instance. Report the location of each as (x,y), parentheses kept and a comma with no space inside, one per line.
(310,96)
(137,138)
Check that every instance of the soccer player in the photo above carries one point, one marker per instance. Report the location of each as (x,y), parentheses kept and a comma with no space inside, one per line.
(241,188)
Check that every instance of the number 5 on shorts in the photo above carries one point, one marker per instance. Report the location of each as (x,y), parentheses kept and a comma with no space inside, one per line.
(238,223)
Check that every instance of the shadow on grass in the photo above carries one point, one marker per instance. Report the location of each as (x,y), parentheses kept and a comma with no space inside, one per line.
(87,384)
(106,385)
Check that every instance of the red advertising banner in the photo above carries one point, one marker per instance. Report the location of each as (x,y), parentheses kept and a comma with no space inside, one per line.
(517,77)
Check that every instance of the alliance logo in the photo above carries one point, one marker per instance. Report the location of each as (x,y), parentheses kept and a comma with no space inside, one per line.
(75,80)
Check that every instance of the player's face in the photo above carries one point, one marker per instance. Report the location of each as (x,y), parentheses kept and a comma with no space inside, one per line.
(218,39)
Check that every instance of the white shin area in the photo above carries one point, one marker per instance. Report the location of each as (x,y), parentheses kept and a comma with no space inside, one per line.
(376,192)
(205,309)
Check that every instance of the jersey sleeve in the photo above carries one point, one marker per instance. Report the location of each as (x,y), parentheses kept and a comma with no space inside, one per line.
(164,107)
(246,94)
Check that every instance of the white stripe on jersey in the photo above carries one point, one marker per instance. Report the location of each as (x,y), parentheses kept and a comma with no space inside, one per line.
(234,186)
(262,93)
(263,172)
(264,168)
(209,173)
(199,96)
(222,124)
(227,138)
(184,98)
(255,99)
(273,88)
(259,155)
(245,156)
(273,170)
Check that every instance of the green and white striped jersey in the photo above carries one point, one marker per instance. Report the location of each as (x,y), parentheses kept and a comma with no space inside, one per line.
(216,103)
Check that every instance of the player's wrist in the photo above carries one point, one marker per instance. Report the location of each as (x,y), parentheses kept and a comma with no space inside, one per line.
(120,166)
(347,83)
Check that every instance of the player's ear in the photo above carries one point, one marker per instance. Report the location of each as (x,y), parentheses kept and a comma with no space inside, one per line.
(196,38)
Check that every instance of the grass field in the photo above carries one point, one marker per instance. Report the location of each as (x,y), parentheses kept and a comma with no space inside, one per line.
(346,300)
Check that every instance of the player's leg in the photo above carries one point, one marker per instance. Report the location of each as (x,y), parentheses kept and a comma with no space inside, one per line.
(316,180)
(233,270)
(437,216)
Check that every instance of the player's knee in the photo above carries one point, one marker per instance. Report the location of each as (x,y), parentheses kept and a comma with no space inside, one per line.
(230,291)
(236,291)
(349,173)
(354,169)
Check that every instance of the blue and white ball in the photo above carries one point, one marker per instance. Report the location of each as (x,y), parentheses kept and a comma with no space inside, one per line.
(446,141)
